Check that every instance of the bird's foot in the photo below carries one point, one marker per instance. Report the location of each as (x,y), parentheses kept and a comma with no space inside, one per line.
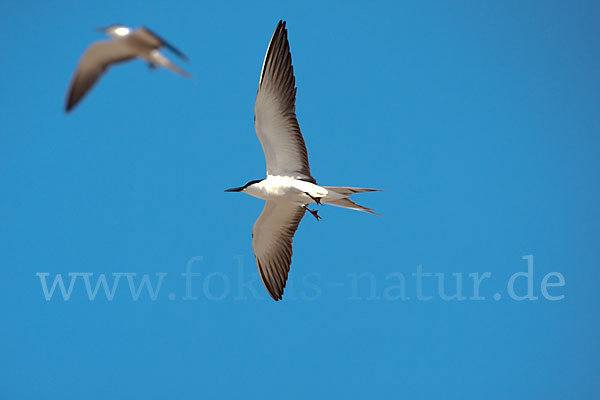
(314,213)
(316,199)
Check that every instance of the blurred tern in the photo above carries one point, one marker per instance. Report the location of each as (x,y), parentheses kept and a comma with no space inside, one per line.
(126,44)
(289,186)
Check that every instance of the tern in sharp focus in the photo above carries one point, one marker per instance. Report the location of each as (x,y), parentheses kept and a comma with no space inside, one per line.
(125,45)
(289,187)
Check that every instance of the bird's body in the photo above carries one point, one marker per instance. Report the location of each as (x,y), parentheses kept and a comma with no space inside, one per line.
(301,193)
(125,45)
(289,187)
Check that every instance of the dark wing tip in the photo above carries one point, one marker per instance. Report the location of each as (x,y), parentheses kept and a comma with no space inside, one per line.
(273,291)
(71,101)
(278,40)
(168,45)
(280,27)
(76,93)
(276,296)
(175,51)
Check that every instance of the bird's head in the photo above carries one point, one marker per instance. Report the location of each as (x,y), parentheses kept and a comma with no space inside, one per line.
(243,188)
(115,30)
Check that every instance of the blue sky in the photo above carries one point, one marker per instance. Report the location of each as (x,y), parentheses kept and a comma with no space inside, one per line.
(479,119)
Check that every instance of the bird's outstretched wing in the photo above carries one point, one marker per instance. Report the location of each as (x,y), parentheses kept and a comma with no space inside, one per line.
(272,237)
(95,60)
(275,112)
(152,38)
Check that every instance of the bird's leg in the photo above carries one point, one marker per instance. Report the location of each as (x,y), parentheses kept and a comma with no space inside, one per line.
(316,199)
(314,213)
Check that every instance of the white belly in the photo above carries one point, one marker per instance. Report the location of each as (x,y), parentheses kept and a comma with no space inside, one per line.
(286,189)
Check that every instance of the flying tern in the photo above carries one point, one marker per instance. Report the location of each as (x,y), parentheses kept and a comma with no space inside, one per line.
(125,45)
(289,186)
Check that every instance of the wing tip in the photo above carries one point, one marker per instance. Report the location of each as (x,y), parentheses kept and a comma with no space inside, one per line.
(279,33)
(276,298)
(281,29)
(273,291)
(168,45)
(69,104)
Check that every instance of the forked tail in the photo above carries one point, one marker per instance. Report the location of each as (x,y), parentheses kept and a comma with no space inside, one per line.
(157,58)
(343,200)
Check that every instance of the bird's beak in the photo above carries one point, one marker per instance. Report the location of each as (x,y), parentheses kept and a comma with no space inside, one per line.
(101,30)
(237,189)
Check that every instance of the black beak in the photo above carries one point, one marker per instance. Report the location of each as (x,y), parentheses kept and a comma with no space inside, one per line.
(101,30)
(237,189)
